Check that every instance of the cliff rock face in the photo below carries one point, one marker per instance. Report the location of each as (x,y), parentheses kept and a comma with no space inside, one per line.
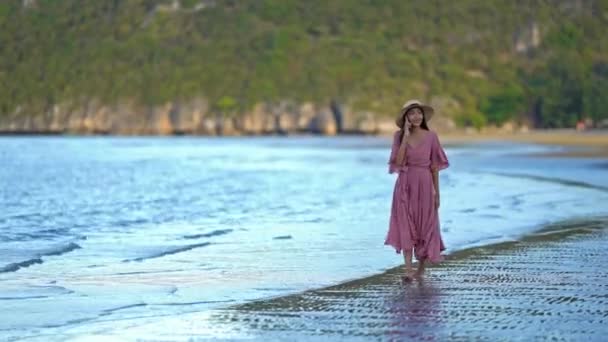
(28,3)
(350,121)
(189,117)
(192,117)
(527,38)
(324,123)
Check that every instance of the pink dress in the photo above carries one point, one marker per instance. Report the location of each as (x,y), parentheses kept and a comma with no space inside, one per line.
(414,221)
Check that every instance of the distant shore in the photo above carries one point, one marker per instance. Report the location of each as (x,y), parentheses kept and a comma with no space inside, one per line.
(591,144)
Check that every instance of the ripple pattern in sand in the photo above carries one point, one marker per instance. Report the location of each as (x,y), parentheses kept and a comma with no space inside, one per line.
(551,290)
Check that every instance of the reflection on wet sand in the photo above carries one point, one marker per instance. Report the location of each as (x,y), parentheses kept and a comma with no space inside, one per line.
(416,307)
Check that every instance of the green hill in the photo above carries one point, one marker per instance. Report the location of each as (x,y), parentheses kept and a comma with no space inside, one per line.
(540,62)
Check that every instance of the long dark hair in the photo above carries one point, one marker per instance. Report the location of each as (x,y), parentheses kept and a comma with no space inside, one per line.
(423,125)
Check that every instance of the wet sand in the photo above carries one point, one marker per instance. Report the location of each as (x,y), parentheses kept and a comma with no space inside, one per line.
(552,285)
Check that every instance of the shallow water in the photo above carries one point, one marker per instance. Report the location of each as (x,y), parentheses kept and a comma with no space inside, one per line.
(99,229)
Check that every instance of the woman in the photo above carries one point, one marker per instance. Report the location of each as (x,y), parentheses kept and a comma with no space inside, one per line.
(417,157)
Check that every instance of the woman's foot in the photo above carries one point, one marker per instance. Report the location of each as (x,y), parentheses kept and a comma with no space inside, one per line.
(421,269)
(419,274)
(409,276)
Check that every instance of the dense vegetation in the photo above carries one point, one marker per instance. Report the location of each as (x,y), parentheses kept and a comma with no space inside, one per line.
(545,62)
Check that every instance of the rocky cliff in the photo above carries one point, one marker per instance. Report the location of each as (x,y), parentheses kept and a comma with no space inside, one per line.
(195,117)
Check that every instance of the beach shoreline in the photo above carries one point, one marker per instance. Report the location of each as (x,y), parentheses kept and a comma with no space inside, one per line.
(534,286)
(540,286)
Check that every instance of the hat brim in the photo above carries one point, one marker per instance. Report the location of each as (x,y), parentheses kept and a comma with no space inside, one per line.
(428,113)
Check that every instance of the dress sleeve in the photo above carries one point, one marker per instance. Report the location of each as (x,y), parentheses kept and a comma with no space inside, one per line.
(392,161)
(439,160)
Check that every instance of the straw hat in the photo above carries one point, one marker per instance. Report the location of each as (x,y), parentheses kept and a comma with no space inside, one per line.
(428,111)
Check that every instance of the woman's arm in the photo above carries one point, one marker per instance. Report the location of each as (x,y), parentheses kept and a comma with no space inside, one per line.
(402,152)
(436,185)
(439,161)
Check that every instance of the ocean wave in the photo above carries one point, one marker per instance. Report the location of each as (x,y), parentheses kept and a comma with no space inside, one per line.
(124,307)
(33,292)
(207,235)
(61,249)
(170,251)
(37,235)
(554,180)
(37,259)
(13,267)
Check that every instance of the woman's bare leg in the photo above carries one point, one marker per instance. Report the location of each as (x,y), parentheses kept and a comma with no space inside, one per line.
(421,268)
(407,256)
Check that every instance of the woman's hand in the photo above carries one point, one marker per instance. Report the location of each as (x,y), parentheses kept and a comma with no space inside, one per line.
(405,134)
(401,152)
(437,201)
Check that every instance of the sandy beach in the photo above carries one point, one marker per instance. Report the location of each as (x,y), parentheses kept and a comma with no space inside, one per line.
(589,144)
(551,285)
